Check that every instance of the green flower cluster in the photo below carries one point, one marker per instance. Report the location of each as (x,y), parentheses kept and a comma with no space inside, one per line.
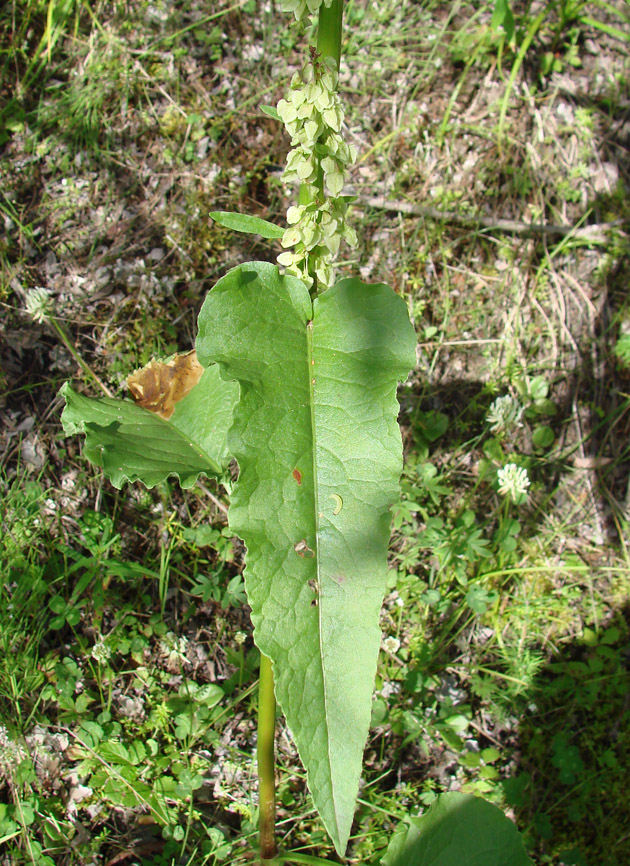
(39,304)
(301,8)
(504,414)
(318,162)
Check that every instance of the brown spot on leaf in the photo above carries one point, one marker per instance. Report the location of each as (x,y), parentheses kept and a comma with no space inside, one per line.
(160,385)
(297,475)
(302,549)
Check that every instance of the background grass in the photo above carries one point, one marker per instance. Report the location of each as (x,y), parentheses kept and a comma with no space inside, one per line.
(127,669)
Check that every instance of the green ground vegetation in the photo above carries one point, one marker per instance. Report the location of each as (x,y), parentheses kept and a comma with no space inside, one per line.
(128,674)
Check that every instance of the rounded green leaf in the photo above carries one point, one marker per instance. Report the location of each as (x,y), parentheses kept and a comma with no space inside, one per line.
(24,813)
(57,604)
(457,829)
(73,617)
(543,436)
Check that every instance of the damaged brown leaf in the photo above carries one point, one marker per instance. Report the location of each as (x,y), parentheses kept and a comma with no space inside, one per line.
(160,385)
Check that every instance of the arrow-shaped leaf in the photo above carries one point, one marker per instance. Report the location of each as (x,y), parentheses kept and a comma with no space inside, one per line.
(240,222)
(319,449)
(132,444)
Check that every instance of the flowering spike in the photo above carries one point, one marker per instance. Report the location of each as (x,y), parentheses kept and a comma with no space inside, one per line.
(320,158)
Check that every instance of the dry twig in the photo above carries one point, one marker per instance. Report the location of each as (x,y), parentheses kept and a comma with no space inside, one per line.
(592,232)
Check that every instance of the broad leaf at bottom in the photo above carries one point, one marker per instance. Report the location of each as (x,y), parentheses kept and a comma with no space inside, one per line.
(316,437)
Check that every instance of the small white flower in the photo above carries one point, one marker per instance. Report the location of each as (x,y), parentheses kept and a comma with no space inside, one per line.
(389,689)
(240,637)
(11,753)
(391,644)
(513,481)
(39,304)
(504,414)
(100,651)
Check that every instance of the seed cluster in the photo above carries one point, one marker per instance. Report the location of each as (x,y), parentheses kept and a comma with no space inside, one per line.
(318,162)
(302,8)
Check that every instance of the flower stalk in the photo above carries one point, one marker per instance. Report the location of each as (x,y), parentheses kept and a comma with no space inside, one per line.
(318,163)
(266,763)
(329,31)
(39,306)
(313,116)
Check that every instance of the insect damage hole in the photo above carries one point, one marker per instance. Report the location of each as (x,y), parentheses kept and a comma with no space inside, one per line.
(302,549)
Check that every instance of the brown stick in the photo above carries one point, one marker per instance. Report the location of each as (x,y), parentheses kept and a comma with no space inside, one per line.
(514,226)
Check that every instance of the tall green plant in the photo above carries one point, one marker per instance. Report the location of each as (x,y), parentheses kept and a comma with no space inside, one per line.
(299,386)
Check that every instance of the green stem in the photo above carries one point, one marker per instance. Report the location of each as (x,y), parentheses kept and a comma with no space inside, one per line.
(329,30)
(65,339)
(266,762)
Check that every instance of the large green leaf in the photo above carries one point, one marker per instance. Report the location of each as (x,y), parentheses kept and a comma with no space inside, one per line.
(316,437)
(458,829)
(132,444)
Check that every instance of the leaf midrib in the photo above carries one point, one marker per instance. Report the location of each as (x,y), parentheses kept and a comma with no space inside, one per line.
(312,380)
